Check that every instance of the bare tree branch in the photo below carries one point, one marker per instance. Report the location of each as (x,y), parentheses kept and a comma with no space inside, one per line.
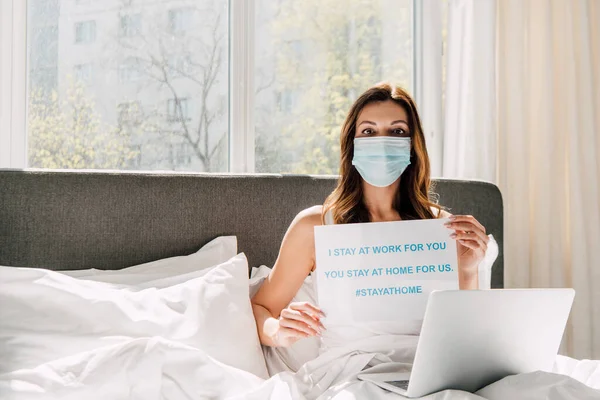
(159,67)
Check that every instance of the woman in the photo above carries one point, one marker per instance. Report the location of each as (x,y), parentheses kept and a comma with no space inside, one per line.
(384,176)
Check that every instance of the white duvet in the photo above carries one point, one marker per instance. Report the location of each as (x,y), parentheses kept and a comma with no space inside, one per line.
(191,335)
(156,369)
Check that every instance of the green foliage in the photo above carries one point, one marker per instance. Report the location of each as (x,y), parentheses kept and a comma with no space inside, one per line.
(325,53)
(68,133)
(328,53)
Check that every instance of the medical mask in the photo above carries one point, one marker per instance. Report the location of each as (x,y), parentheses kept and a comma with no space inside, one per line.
(381,160)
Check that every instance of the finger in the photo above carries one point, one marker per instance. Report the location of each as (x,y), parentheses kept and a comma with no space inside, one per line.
(462,226)
(467,227)
(297,325)
(470,245)
(460,235)
(473,235)
(303,317)
(474,244)
(306,306)
(292,333)
(467,218)
(310,310)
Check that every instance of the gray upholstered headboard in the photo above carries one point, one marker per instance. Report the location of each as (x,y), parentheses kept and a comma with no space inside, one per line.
(109,220)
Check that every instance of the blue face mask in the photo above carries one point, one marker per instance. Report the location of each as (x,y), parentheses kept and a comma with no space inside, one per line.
(381,160)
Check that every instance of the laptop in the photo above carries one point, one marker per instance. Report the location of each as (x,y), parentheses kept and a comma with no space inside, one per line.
(472,338)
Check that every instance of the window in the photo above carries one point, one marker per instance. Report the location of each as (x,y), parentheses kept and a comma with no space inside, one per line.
(85,32)
(177,110)
(286,100)
(84,73)
(131,25)
(129,113)
(312,60)
(308,59)
(129,71)
(180,20)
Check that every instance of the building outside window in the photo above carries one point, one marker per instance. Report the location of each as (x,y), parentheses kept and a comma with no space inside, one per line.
(310,60)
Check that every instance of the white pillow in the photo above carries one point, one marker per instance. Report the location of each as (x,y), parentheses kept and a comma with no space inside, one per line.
(47,315)
(213,253)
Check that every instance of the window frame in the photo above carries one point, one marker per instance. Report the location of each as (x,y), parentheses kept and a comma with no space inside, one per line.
(427,43)
(241,86)
(13,84)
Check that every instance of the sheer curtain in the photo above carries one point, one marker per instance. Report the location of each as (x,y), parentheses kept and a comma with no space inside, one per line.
(469,120)
(543,151)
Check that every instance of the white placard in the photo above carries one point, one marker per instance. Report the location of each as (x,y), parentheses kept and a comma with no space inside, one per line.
(382,271)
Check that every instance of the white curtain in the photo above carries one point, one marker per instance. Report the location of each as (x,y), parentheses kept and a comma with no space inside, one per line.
(469,120)
(545,145)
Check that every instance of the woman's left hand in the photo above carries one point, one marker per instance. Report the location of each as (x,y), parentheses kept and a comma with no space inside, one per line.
(471,241)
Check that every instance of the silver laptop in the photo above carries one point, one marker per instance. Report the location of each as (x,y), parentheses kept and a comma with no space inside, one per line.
(471,338)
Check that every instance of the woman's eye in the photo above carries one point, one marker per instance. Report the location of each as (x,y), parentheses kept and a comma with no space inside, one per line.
(399,131)
(368,131)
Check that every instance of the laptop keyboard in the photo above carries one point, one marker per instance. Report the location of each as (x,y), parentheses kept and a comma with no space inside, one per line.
(399,384)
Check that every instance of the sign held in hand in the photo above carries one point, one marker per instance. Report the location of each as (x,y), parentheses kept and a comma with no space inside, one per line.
(382,271)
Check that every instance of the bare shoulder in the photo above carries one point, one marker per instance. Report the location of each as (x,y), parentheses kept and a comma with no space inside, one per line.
(299,241)
(309,217)
(302,228)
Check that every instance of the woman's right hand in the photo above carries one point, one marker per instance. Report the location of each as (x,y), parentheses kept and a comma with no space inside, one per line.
(297,321)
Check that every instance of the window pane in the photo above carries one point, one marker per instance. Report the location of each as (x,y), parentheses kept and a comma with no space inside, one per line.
(127,84)
(131,25)
(313,59)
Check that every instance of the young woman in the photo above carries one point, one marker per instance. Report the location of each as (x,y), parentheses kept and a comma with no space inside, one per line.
(384,176)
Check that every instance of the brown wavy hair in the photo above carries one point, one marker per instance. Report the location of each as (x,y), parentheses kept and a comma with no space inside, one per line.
(414,196)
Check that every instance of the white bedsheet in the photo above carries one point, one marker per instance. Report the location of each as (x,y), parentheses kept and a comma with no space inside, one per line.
(85,360)
(156,369)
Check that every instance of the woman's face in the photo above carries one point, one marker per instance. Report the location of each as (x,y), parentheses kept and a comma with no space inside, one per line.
(385,118)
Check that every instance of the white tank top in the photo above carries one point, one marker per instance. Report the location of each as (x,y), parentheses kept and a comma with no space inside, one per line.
(329,218)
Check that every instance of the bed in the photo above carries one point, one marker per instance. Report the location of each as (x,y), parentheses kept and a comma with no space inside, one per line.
(109,288)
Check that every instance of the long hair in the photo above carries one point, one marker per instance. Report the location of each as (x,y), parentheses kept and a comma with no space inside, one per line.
(412,199)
